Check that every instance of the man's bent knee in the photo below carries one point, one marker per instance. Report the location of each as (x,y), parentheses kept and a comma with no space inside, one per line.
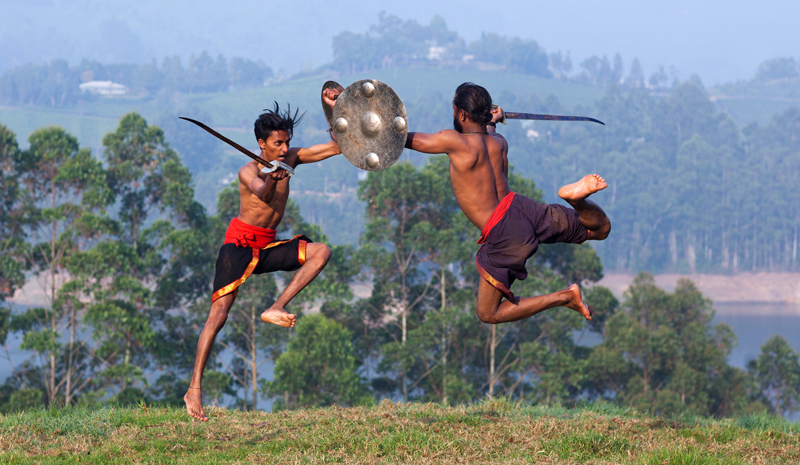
(320,252)
(601,233)
(487,315)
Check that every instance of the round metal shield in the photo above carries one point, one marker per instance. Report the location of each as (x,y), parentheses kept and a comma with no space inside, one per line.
(370,125)
(325,108)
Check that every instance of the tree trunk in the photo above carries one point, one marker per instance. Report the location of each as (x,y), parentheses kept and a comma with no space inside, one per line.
(673,247)
(253,359)
(51,388)
(68,392)
(404,335)
(444,342)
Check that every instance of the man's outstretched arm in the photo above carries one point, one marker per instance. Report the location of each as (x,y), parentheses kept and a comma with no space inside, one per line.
(315,153)
(446,141)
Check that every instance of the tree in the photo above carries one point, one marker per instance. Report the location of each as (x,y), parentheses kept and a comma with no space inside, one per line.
(118,274)
(65,186)
(777,68)
(318,367)
(400,201)
(11,220)
(777,372)
(661,354)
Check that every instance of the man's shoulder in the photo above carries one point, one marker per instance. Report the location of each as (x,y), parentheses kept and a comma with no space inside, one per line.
(450,133)
(249,166)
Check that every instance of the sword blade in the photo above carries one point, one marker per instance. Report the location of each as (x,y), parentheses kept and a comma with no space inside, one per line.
(514,115)
(229,142)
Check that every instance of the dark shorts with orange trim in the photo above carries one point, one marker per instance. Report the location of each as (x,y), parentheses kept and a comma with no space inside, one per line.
(516,237)
(235,264)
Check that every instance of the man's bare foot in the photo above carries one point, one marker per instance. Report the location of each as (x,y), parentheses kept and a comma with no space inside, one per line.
(278,316)
(194,404)
(576,302)
(578,191)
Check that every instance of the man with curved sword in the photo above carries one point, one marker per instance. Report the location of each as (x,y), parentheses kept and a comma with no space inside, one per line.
(512,226)
(250,246)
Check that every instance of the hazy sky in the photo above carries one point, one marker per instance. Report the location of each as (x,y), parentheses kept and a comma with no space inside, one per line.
(719,40)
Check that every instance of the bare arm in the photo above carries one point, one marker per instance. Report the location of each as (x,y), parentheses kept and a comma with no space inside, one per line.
(261,184)
(315,153)
(446,141)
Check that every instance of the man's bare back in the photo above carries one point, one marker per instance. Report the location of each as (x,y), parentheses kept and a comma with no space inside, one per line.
(478,168)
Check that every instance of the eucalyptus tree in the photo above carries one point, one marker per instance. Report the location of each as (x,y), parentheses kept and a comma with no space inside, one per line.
(119,274)
(11,218)
(11,232)
(400,201)
(777,374)
(662,354)
(65,187)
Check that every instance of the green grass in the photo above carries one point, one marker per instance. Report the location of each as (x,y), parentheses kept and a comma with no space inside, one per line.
(494,431)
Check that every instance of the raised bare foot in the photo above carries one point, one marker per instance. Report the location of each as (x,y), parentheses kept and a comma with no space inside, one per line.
(278,316)
(194,404)
(576,302)
(578,191)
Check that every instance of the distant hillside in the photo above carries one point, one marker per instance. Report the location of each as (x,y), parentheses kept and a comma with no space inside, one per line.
(214,164)
(775,87)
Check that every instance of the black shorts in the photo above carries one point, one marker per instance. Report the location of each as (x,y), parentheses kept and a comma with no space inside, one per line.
(516,237)
(235,264)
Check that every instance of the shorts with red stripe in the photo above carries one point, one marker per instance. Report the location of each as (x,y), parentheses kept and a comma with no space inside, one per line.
(512,236)
(237,263)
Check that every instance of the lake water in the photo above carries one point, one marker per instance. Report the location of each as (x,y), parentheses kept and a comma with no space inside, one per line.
(755,323)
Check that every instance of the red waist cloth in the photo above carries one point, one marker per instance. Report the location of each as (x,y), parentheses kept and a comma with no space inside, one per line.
(497,215)
(246,235)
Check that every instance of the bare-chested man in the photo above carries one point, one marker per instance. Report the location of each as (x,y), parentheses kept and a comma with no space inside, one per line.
(512,226)
(250,246)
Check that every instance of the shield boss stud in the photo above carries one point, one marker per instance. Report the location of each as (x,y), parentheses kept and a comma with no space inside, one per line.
(368,89)
(372,160)
(399,124)
(371,125)
(340,125)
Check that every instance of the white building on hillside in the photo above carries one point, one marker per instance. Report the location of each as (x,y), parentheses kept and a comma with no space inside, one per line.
(104,88)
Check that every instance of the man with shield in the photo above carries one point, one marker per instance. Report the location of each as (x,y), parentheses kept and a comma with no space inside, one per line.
(512,226)
(250,246)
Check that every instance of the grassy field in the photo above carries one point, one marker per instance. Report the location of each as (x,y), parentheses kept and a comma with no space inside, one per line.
(489,432)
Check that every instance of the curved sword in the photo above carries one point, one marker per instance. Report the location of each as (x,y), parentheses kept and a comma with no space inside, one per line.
(228,141)
(535,116)
(270,166)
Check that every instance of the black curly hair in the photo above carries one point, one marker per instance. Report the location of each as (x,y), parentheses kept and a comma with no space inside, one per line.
(275,120)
